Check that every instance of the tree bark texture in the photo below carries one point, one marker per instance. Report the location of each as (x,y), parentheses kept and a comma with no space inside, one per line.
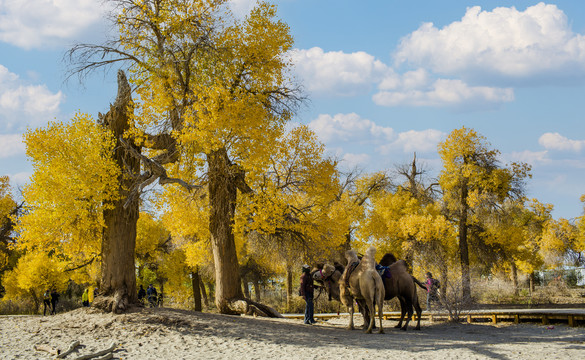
(289,286)
(118,278)
(203,292)
(463,245)
(196,290)
(222,198)
(514,271)
(246,289)
(257,289)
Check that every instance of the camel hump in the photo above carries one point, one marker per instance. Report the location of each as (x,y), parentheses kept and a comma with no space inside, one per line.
(399,265)
(370,259)
(351,256)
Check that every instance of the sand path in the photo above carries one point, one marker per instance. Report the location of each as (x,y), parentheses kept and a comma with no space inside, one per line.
(175,334)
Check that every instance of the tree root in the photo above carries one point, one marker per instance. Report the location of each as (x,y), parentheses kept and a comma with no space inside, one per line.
(103,354)
(99,355)
(68,351)
(51,350)
(117,304)
(250,307)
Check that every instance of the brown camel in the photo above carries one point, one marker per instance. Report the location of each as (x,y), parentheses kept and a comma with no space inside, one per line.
(363,283)
(399,284)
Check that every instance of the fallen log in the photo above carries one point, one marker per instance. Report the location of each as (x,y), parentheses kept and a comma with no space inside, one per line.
(99,353)
(68,351)
(44,347)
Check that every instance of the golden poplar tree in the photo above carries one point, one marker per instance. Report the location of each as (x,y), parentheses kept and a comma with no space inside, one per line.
(472,178)
(210,89)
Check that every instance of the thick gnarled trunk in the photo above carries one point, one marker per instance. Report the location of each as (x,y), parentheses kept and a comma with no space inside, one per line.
(222,199)
(118,278)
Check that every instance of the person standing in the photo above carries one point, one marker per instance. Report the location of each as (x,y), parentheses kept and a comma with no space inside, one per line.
(151,295)
(47,302)
(306,292)
(141,294)
(85,297)
(54,301)
(432,290)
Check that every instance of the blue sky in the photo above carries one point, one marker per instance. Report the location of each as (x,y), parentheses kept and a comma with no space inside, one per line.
(385,79)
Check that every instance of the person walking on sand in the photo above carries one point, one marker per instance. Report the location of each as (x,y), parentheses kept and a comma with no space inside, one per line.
(46,302)
(151,295)
(54,301)
(432,290)
(85,297)
(306,292)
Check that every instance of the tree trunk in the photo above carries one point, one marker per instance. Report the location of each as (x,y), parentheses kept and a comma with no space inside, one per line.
(222,201)
(246,289)
(256,289)
(531,284)
(463,246)
(203,293)
(289,286)
(514,271)
(118,278)
(196,290)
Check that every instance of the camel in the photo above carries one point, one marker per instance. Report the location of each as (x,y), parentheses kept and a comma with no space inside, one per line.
(363,283)
(400,284)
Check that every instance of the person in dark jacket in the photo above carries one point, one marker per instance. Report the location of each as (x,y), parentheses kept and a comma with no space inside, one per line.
(306,291)
(433,286)
(152,295)
(47,302)
(141,294)
(54,301)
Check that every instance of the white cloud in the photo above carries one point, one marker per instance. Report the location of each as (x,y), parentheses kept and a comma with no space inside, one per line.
(425,141)
(337,73)
(19,179)
(504,42)
(241,8)
(527,156)
(40,23)
(348,127)
(412,91)
(11,145)
(556,141)
(23,105)
(350,160)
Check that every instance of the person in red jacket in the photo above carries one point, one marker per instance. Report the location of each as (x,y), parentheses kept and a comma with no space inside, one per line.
(306,292)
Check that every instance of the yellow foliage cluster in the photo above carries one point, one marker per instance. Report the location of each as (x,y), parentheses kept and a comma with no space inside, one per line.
(74,180)
(35,273)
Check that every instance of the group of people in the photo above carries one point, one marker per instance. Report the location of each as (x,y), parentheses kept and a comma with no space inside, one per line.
(50,300)
(150,295)
(306,291)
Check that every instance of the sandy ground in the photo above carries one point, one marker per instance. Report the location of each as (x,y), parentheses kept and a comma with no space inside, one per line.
(175,334)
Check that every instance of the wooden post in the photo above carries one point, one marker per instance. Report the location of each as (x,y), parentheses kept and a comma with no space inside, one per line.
(469,321)
(516,319)
(495,319)
(571,320)
(544,319)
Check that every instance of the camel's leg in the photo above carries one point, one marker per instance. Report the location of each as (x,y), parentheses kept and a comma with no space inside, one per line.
(350,310)
(402,312)
(418,313)
(363,309)
(407,320)
(380,316)
(372,312)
